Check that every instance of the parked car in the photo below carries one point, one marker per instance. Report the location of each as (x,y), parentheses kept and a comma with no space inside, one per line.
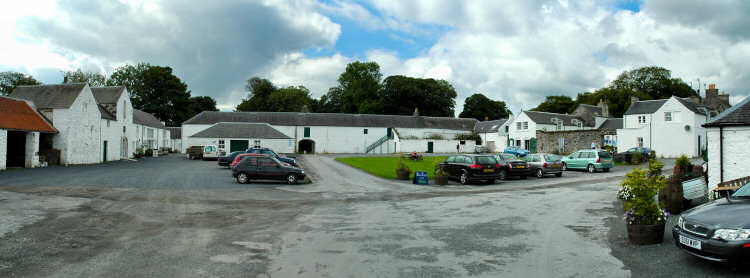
(194,152)
(211,152)
(243,155)
(271,153)
(256,167)
(590,160)
(544,164)
(470,167)
(226,160)
(510,165)
(628,155)
(516,150)
(718,231)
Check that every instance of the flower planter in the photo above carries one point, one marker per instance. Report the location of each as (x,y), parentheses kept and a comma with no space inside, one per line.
(645,234)
(402,175)
(441,180)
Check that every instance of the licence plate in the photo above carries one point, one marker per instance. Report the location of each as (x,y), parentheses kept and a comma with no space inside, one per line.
(693,243)
(554,165)
(520,166)
(606,161)
(489,170)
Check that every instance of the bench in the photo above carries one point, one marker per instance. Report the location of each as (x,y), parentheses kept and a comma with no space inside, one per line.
(723,189)
(411,157)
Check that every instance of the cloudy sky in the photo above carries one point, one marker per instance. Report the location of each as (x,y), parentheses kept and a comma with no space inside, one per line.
(515,51)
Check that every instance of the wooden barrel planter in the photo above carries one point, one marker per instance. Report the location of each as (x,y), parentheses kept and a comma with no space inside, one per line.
(441,180)
(645,234)
(402,175)
(672,196)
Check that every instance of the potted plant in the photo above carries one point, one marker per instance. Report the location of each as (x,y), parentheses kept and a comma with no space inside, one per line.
(644,216)
(683,162)
(441,176)
(402,170)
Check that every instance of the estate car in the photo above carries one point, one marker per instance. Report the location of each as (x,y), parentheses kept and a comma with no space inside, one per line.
(471,167)
(257,167)
(589,160)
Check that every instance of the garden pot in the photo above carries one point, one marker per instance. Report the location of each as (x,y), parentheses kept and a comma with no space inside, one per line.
(402,175)
(441,180)
(671,196)
(645,234)
(690,168)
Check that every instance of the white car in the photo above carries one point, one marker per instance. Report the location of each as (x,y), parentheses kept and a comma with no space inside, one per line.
(211,152)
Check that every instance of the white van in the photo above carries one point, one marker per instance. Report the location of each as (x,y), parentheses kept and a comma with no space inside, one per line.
(210,152)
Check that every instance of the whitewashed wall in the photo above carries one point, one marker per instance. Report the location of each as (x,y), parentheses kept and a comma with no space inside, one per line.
(176,145)
(125,118)
(79,137)
(3,149)
(735,154)
(670,139)
(32,150)
(278,145)
(438,146)
(336,139)
(189,130)
(112,134)
(522,134)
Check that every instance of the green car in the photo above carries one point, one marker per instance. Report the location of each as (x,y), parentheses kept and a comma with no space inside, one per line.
(590,160)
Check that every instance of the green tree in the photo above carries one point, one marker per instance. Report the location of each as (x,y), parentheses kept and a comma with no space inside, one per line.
(289,99)
(154,89)
(401,95)
(79,76)
(9,80)
(360,83)
(202,103)
(331,102)
(556,104)
(259,90)
(479,106)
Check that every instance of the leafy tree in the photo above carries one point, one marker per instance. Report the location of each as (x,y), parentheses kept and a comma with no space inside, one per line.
(479,106)
(79,76)
(154,89)
(330,102)
(401,94)
(10,80)
(260,89)
(360,83)
(289,99)
(202,103)
(556,104)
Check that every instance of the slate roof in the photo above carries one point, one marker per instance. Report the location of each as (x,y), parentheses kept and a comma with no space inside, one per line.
(738,114)
(241,130)
(333,119)
(546,118)
(143,118)
(596,110)
(107,94)
(16,114)
(489,126)
(612,123)
(58,96)
(175,132)
(691,106)
(106,114)
(645,107)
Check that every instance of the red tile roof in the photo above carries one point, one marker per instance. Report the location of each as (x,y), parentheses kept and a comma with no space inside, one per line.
(18,115)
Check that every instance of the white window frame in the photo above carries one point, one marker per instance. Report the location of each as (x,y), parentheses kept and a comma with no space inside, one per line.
(519,125)
(639,141)
(221,143)
(525,125)
(668,116)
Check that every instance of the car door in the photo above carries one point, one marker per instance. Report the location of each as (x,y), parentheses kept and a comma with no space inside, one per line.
(250,166)
(530,160)
(269,169)
(573,160)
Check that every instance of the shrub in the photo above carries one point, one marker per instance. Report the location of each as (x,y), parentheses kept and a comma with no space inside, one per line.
(682,161)
(469,137)
(636,158)
(149,152)
(401,166)
(439,169)
(435,136)
(638,192)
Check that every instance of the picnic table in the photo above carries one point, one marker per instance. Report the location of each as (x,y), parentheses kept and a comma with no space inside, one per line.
(411,157)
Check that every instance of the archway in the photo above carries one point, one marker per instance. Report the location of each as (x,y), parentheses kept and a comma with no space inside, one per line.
(306,146)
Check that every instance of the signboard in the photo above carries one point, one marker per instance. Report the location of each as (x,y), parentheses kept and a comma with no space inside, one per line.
(420,178)
(695,189)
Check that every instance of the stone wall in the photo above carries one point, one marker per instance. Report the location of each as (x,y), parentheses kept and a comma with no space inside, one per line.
(547,141)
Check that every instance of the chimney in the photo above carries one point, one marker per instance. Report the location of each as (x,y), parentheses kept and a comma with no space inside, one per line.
(605,108)
(416,112)
(305,109)
(65,79)
(633,100)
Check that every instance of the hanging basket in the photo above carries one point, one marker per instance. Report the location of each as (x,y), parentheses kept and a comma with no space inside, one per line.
(645,234)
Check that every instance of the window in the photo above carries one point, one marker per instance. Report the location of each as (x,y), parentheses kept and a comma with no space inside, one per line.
(221,144)
(641,119)
(150,133)
(559,124)
(526,144)
(667,116)
(640,141)
(365,131)
(123,129)
(525,125)
(518,142)
(518,126)
(462,142)
(307,132)
(256,144)
(506,128)
(107,123)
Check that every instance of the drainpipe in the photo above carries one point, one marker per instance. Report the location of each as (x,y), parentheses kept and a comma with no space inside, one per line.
(650,133)
(721,153)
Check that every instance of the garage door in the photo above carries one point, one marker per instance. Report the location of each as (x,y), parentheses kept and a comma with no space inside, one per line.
(237,145)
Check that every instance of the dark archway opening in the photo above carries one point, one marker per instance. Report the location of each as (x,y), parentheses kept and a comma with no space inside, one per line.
(16,149)
(306,146)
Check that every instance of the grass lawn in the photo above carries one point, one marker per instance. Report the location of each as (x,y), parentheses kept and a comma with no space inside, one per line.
(385,166)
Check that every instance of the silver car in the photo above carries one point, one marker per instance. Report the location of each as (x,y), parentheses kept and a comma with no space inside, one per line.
(541,164)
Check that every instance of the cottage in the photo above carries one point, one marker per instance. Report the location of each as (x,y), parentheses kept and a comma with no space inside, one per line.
(117,128)
(22,129)
(74,112)
(727,137)
(150,133)
(522,130)
(332,132)
(671,127)
(494,134)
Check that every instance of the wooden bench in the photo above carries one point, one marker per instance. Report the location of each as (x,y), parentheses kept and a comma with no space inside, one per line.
(411,157)
(722,189)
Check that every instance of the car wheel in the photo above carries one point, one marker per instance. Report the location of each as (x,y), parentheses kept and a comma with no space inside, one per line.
(564,167)
(464,178)
(490,181)
(591,168)
(291,178)
(605,169)
(242,177)
(539,173)
(558,175)
(503,175)
(191,157)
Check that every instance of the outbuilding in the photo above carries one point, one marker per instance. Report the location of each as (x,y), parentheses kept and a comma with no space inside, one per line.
(728,135)
(22,129)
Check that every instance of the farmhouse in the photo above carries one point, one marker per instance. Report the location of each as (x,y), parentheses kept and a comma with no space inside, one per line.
(494,134)
(328,132)
(117,129)
(727,137)
(21,132)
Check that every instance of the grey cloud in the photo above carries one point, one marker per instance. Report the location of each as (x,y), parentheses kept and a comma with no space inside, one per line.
(726,18)
(212,46)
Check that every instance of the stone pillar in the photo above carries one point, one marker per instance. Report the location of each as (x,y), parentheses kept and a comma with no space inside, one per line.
(3,149)
(32,149)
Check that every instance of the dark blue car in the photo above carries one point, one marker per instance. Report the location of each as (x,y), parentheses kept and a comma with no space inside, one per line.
(271,153)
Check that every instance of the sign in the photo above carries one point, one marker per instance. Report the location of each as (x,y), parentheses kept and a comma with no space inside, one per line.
(420,178)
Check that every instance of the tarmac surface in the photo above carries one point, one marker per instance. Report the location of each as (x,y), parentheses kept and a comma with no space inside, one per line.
(170,216)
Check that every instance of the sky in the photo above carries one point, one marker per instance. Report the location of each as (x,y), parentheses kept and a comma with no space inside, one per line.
(513,51)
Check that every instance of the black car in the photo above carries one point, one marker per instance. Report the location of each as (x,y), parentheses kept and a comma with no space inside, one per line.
(271,153)
(510,165)
(265,168)
(226,160)
(718,231)
(470,167)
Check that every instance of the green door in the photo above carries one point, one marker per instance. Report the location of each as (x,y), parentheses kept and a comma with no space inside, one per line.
(238,145)
(532,145)
(429,147)
(104,157)
(307,132)
(389,133)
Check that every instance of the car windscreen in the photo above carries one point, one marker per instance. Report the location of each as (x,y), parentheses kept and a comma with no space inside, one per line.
(486,160)
(744,191)
(605,155)
(551,157)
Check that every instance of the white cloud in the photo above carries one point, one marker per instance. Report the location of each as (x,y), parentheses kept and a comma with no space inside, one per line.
(316,74)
